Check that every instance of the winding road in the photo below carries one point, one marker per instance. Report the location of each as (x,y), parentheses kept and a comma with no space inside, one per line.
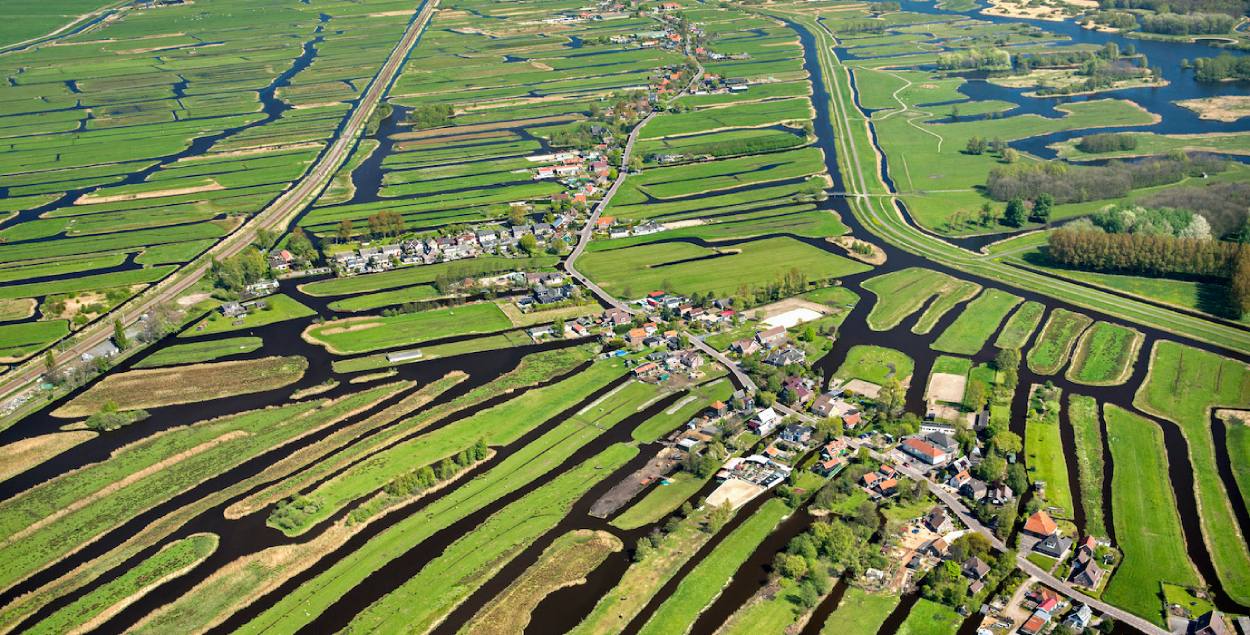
(276,216)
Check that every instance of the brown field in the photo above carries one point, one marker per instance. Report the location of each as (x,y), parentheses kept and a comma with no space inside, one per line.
(186,384)
(565,563)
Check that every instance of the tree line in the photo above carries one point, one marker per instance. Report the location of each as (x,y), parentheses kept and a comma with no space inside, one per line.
(1226,206)
(975,59)
(1146,254)
(1217,69)
(1156,255)
(1187,24)
(1230,7)
(1075,184)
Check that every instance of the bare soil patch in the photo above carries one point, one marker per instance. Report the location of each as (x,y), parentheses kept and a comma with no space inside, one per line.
(947,387)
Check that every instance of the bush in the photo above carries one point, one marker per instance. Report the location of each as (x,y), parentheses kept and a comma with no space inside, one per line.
(1107,142)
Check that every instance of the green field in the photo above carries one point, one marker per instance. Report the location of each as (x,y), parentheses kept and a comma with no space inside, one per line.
(362,335)
(469,561)
(1087,430)
(1183,385)
(1044,456)
(196,352)
(660,501)
(875,364)
(1147,525)
(1105,355)
(1054,344)
(977,323)
(1239,449)
(1020,325)
(239,437)
(930,618)
(500,425)
(172,560)
(278,308)
(902,293)
(705,581)
(860,613)
(684,268)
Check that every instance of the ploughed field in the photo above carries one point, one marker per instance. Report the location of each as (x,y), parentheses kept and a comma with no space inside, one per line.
(395,451)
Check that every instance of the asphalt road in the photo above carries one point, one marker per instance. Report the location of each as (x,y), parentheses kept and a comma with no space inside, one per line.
(584,236)
(276,216)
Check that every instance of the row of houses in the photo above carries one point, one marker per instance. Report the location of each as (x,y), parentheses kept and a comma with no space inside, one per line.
(467,244)
(661,365)
(611,227)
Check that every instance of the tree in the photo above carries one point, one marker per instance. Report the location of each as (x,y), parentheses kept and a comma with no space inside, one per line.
(557,246)
(1008,442)
(300,246)
(345,230)
(717,518)
(1010,155)
(49,362)
(1015,215)
(891,397)
(516,215)
(1041,208)
(119,335)
(529,243)
(1007,358)
(791,566)
(976,145)
(635,163)
(643,548)
(976,396)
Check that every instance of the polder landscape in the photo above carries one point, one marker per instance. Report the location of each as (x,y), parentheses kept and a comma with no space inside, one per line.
(624,316)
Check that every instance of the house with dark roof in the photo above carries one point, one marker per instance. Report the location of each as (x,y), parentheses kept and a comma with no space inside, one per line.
(975,568)
(974,489)
(1088,576)
(1055,545)
(824,405)
(937,521)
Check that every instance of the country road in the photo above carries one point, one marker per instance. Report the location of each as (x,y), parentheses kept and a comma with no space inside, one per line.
(276,216)
(584,236)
